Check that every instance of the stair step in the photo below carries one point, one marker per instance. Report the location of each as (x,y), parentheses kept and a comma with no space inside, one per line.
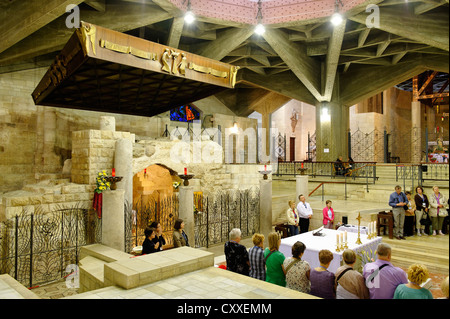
(432,267)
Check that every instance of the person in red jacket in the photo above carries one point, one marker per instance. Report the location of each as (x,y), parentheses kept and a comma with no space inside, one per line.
(328,215)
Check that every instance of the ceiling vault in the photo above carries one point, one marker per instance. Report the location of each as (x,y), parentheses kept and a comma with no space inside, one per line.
(305,59)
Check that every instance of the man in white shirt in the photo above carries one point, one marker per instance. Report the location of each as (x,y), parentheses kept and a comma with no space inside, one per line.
(305,213)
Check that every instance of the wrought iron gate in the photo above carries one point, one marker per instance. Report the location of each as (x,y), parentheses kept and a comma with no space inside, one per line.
(36,248)
(224,211)
(165,211)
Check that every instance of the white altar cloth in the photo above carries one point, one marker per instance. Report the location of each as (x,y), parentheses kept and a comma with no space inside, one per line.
(354,229)
(316,243)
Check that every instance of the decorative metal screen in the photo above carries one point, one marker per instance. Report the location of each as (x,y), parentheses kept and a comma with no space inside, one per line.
(36,248)
(224,211)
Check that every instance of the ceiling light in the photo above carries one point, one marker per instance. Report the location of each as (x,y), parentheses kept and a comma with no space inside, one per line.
(336,19)
(189,16)
(260,29)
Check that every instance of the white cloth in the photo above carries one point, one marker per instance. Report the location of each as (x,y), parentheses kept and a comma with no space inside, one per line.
(304,212)
(316,243)
(354,229)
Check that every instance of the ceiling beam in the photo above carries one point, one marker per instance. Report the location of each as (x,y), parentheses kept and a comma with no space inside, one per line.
(175,32)
(225,43)
(23,18)
(295,56)
(52,37)
(431,29)
(332,60)
(363,82)
(285,83)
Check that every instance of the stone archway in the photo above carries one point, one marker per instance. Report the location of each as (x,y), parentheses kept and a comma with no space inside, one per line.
(155,199)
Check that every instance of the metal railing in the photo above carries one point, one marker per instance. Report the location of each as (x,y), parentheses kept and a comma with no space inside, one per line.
(37,248)
(357,170)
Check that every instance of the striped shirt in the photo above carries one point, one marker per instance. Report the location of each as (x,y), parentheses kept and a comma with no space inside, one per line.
(257,263)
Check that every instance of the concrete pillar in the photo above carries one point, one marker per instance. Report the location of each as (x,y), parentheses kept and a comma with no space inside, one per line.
(416,132)
(265,207)
(113,224)
(186,211)
(332,124)
(123,163)
(107,123)
(301,184)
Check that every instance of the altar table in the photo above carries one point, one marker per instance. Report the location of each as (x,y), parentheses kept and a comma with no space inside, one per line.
(316,243)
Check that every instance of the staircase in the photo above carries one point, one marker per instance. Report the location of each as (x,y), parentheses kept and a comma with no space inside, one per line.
(432,251)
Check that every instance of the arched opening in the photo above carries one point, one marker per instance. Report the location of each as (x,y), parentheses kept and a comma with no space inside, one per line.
(155,199)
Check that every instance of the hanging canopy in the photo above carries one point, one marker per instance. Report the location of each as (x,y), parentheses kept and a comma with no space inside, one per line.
(108,71)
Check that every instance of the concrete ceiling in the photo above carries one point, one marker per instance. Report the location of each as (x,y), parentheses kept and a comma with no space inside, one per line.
(305,59)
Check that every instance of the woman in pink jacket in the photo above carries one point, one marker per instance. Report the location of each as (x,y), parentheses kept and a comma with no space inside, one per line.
(328,215)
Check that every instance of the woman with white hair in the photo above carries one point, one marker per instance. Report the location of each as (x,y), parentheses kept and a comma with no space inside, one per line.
(438,203)
(236,254)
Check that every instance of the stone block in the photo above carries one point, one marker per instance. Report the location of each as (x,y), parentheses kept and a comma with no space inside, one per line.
(121,276)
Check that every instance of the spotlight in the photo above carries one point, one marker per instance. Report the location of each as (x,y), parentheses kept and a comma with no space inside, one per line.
(260,29)
(336,19)
(189,17)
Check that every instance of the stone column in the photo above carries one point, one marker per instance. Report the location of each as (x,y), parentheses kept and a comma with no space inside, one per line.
(416,132)
(186,211)
(332,124)
(301,186)
(123,163)
(113,224)
(107,123)
(265,207)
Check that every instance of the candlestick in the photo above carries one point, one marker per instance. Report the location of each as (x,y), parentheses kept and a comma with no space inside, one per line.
(358,240)
(338,246)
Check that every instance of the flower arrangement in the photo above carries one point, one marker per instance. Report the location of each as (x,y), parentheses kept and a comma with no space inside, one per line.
(365,257)
(176,184)
(102,183)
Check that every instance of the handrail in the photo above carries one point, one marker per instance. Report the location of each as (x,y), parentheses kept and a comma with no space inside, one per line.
(324,183)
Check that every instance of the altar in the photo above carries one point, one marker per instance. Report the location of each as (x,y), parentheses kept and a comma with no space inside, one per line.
(316,243)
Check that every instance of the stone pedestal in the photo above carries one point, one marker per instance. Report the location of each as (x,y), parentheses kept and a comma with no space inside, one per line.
(265,208)
(123,163)
(113,228)
(108,123)
(186,211)
(301,186)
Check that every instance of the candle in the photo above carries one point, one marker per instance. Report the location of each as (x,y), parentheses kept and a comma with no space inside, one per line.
(265,168)
(302,165)
(345,236)
(341,237)
(337,239)
(113,172)
(185,171)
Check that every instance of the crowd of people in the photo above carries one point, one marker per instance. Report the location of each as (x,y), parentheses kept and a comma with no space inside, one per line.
(421,213)
(379,279)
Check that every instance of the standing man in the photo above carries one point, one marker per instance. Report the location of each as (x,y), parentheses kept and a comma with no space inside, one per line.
(305,213)
(397,201)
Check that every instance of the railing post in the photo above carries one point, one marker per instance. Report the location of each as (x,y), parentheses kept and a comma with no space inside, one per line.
(31,249)
(16,250)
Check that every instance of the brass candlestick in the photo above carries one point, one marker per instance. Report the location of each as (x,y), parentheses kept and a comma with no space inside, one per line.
(358,241)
